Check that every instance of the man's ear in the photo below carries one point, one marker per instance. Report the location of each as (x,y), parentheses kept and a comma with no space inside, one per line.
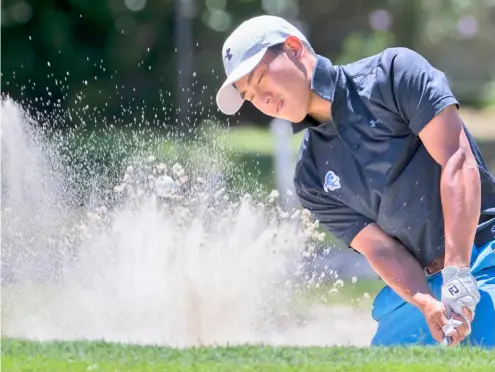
(294,46)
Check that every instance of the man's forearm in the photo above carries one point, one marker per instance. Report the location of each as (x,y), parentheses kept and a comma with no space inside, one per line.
(402,272)
(461,202)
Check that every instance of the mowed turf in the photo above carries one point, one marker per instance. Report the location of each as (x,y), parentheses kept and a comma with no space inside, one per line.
(98,356)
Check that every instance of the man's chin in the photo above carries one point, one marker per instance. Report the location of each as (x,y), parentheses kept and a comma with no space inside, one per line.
(291,118)
(281,117)
(296,118)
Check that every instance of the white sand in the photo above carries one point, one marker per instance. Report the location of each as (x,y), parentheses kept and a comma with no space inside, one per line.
(205,271)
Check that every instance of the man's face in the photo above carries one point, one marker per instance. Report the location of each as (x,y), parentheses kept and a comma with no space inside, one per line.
(278,86)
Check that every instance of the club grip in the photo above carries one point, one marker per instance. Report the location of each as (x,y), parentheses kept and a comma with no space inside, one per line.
(447,340)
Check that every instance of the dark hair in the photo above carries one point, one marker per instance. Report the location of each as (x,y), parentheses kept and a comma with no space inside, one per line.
(278,48)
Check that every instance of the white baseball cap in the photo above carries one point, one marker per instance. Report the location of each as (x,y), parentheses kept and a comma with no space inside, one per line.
(244,49)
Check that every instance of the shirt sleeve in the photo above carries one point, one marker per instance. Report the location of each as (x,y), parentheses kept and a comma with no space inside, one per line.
(339,219)
(412,87)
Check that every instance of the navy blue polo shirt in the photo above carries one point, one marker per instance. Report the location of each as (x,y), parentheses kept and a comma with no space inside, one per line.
(368,163)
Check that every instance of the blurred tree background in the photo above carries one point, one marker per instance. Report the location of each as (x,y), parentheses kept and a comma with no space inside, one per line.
(161,55)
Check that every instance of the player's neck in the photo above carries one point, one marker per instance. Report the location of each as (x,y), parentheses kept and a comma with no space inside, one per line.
(319,108)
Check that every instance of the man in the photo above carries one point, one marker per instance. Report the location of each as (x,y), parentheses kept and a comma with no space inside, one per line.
(388,167)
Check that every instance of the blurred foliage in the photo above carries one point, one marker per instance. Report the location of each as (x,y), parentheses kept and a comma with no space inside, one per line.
(358,45)
(119,57)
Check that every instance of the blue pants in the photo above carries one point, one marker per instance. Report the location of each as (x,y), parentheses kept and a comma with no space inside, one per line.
(400,323)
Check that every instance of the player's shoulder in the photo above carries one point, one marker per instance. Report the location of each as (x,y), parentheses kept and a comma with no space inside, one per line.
(393,52)
(403,58)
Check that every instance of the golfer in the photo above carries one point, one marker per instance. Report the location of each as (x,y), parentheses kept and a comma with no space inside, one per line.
(388,167)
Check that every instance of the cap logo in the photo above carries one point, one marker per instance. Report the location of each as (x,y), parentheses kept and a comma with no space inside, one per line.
(228,55)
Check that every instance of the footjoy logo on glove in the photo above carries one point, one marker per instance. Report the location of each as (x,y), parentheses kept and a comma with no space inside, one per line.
(453,290)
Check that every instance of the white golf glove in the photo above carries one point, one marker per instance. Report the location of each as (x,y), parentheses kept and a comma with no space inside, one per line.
(459,290)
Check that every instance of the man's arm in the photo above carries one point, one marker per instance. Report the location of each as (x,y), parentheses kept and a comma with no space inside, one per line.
(419,93)
(460,184)
(394,264)
(460,191)
(403,273)
(409,86)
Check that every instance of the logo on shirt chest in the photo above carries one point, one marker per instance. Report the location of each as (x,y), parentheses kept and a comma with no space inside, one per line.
(374,123)
(332,182)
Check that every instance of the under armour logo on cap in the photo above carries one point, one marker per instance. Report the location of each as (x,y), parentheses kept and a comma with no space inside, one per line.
(228,55)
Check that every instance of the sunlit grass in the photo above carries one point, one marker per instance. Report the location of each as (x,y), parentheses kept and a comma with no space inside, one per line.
(23,356)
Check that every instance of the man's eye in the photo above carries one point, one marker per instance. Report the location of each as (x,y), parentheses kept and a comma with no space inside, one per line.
(261,76)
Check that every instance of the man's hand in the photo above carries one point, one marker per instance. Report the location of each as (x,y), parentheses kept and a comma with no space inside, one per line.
(460,294)
(452,316)
(436,315)
(396,266)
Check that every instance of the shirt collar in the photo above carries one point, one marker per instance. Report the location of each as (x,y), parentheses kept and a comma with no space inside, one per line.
(323,83)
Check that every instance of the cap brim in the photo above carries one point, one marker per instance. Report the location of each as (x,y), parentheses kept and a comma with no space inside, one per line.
(229,99)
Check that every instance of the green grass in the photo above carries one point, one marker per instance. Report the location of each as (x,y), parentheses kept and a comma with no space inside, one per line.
(98,356)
